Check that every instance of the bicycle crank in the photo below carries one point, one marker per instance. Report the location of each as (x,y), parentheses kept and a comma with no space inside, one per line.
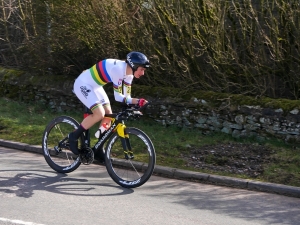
(86,156)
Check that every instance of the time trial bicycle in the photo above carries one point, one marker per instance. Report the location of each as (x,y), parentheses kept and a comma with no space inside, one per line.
(129,153)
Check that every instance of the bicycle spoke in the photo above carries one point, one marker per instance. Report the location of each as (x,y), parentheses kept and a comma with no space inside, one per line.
(134,168)
(126,170)
(55,145)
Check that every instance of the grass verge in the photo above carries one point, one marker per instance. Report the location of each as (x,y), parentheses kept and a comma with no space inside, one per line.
(175,147)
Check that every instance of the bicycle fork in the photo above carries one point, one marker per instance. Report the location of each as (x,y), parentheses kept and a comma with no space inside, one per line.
(128,153)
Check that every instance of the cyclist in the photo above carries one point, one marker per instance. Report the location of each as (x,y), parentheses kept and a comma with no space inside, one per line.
(88,87)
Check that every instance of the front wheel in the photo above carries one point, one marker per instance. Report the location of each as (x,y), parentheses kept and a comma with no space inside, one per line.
(135,169)
(55,145)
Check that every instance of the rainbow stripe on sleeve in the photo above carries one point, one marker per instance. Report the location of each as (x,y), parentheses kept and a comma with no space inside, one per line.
(99,73)
(117,88)
(127,84)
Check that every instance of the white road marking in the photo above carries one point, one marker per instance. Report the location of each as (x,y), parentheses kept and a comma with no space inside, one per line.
(18,222)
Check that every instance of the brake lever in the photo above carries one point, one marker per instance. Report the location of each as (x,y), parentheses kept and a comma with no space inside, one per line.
(134,109)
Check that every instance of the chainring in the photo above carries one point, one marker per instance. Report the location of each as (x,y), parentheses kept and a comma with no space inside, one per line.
(86,156)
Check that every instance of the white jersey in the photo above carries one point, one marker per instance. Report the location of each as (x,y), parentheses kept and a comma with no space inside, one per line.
(89,85)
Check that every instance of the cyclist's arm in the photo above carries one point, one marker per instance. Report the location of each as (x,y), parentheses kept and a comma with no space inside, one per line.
(127,91)
(122,89)
(127,85)
(119,89)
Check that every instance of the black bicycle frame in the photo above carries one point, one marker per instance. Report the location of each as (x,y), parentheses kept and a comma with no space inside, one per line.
(86,138)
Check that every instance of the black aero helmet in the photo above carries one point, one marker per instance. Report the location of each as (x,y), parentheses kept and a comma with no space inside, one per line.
(136,59)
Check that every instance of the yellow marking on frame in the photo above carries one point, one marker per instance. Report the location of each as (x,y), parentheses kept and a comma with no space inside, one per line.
(120,129)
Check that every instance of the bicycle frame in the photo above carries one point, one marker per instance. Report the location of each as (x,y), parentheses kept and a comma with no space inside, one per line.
(125,169)
(116,125)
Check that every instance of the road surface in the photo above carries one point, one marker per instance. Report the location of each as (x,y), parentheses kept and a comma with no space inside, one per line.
(31,193)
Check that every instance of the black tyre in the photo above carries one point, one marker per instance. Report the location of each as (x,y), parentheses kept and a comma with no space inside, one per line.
(56,146)
(130,173)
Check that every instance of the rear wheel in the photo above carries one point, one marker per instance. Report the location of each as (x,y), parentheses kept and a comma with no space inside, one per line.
(132,171)
(56,149)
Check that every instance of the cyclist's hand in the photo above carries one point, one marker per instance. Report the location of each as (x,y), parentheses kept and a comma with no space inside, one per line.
(142,102)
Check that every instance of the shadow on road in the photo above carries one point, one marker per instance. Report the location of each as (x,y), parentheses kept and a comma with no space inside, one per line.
(25,183)
(236,203)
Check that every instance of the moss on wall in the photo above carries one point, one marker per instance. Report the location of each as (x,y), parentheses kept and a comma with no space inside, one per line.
(19,85)
(238,115)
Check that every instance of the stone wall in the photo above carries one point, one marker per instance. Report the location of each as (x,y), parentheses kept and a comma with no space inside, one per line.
(239,120)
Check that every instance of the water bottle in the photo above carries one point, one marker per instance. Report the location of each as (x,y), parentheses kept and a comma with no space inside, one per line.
(101,130)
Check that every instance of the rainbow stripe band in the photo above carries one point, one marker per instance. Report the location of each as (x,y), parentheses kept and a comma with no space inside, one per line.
(106,105)
(100,74)
(127,100)
(117,89)
(96,105)
(127,84)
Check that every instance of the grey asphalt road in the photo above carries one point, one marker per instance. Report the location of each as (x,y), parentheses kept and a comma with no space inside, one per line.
(32,194)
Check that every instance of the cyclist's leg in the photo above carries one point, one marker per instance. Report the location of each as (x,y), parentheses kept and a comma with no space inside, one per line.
(98,114)
(101,94)
(87,95)
(106,120)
